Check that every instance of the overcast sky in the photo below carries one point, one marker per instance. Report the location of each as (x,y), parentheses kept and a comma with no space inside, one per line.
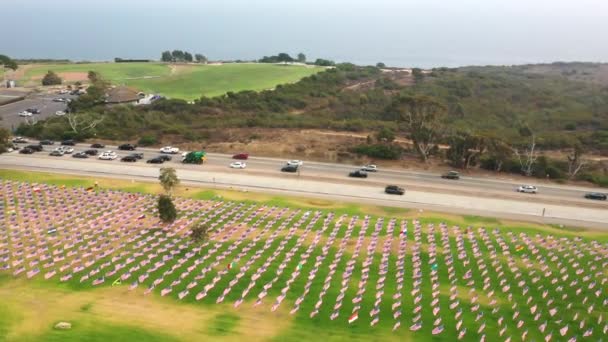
(403,32)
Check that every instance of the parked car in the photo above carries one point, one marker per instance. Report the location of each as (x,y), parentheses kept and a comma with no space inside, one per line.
(56,153)
(528,189)
(47,142)
(20,140)
(24,114)
(60,113)
(97,145)
(241,156)
(91,152)
(156,160)
(26,150)
(65,149)
(451,175)
(289,168)
(238,165)
(369,168)
(596,196)
(394,190)
(358,174)
(108,155)
(295,163)
(33,110)
(137,155)
(81,155)
(169,150)
(129,158)
(127,147)
(37,148)
(68,142)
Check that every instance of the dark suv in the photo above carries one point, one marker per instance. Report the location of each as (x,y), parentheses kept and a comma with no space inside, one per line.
(358,174)
(37,148)
(127,147)
(394,190)
(451,175)
(289,168)
(596,196)
(68,142)
(47,142)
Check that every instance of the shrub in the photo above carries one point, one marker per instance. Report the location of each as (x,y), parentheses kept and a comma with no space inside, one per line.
(379,151)
(51,78)
(166,209)
(147,140)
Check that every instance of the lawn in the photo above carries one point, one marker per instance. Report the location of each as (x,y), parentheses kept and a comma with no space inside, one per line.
(280,245)
(182,81)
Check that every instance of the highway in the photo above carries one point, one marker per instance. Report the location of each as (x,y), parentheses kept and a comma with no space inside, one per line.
(479,196)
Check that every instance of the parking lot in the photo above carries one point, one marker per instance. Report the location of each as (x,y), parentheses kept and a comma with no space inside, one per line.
(43,102)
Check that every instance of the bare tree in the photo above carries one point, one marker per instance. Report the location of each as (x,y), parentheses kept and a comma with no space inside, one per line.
(82,122)
(527,158)
(575,162)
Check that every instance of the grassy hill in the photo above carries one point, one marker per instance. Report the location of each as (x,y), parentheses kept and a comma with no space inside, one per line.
(179,81)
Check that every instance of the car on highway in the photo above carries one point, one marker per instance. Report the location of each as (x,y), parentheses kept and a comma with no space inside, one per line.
(394,190)
(60,99)
(137,155)
(33,110)
(91,152)
(241,156)
(60,113)
(127,147)
(63,91)
(155,160)
(451,175)
(56,153)
(20,140)
(68,142)
(37,148)
(596,196)
(97,145)
(165,157)
(238,165)
(108,155)
(128,158)
(289,168)
(369,168)
(295,163)
(169,150)
(358,174)
(528,189)
(47,142)
(12,147)
(65,149)
(81,155)
(25,114)
(26,150)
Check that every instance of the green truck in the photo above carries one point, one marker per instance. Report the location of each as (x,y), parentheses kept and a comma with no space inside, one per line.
(194,157)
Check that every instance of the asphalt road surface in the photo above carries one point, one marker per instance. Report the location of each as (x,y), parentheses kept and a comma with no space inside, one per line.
(44,102)
(477,196)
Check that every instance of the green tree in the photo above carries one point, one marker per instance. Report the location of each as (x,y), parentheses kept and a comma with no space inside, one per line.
(168,179)
(4,140)
(284,57)
(166,56)
(423,119)
(385,135)
(380,65)
(301,58)
(199,233)
(324,62)
(166,209)
(418,75)
(465,148)
(93,76)
(200,58)
(499,151)
(51,78)
(188,57)
(178,55)
(8,63)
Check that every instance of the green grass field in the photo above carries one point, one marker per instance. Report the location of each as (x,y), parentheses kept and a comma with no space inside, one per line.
(100,313)
(180,81)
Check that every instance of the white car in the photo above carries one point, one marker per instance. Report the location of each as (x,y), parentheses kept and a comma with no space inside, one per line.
(238,165)
(108,155)
(528,189)
(60,113)
(25,114)
(63,91)
(65,149)
(295,163)
(169,150)
(369,168)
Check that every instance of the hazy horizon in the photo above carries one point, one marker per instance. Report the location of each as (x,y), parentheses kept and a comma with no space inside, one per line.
(421,33)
